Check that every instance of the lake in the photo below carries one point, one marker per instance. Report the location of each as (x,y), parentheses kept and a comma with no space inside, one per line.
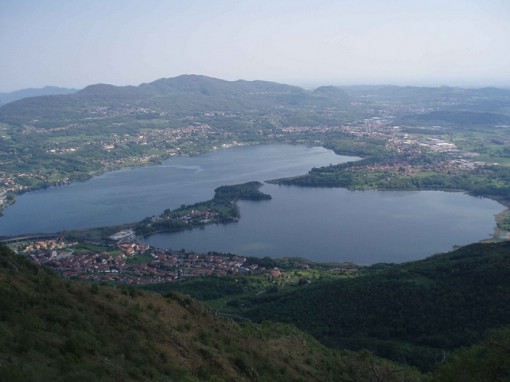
(328,224)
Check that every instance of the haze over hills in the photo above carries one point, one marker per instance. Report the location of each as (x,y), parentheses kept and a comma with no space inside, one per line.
(33,92)
(453,100)
(198,94)
(179,95)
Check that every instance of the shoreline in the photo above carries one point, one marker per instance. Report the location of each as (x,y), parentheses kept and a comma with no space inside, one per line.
(498,234)
(149,163)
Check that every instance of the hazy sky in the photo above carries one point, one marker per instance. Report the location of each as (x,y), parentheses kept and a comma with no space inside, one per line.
(74,43)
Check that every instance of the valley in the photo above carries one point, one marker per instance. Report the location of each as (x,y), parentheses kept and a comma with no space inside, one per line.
(315,318)
(104,127)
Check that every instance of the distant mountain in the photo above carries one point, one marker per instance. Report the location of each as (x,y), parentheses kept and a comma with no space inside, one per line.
(457,118)
(482,100)
(186,94)
(32,92)
(235,105)
(421,92)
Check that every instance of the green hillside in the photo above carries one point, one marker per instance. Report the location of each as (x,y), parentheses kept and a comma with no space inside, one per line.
(186,94)
(424,313)
(59,330)
(414,312)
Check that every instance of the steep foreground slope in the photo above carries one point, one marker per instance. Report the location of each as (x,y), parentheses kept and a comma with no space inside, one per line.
(414,313)
(60,330)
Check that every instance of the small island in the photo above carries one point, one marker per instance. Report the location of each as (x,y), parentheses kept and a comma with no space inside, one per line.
(222,208)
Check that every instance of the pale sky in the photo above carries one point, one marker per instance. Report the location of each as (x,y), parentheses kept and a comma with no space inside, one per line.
(74,43)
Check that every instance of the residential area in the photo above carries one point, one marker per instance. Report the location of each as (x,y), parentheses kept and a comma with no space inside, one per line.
(130,263)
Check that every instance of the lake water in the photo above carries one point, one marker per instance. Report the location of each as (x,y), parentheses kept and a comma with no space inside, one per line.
(320,224)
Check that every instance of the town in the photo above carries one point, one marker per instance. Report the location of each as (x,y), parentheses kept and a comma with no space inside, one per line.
(173,142)
(132,263)
(139,136)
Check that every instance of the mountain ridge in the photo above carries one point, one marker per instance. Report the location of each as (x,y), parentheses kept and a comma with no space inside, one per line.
(178,95)
(192,93)
(8,97)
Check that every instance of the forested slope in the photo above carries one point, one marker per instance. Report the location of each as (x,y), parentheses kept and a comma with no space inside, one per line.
(59,330)
(413,312)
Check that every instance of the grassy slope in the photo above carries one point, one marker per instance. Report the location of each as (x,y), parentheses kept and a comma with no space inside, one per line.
(60,330)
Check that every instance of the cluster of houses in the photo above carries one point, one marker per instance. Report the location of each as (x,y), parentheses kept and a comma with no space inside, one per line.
(9,185)
(193,216)
(51,248)
(133,263)
(453,160)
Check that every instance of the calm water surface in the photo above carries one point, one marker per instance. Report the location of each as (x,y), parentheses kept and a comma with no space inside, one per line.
(129,195)
(319,224)
(334,224)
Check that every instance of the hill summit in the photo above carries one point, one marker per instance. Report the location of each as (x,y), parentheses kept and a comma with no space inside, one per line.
(179,95)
